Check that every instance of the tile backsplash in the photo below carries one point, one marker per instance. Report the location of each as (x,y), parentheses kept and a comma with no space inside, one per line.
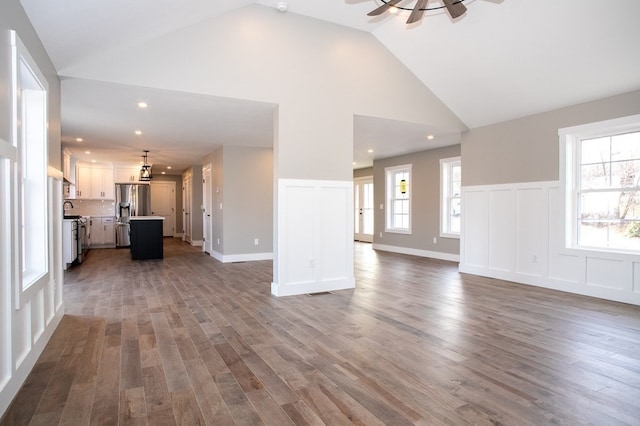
(93,208)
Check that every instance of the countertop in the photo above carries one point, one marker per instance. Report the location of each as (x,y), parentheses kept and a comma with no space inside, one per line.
(146,218)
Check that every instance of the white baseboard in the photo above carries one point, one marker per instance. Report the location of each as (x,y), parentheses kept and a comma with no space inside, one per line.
(418,252)
(196,243)
(312,287)
(248,257)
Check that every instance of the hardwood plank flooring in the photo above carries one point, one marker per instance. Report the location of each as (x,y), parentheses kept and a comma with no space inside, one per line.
(188,340)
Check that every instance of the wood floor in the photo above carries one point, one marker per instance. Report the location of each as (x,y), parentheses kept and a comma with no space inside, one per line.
(188,340)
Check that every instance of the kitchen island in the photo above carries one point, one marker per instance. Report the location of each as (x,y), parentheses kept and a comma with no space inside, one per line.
(146,237)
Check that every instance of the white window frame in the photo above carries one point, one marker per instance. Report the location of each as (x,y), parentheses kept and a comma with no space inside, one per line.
(446,166)
(28,282)
(569,140)
(389,173)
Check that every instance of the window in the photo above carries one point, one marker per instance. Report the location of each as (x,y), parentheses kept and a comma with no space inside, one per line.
(602,185)
(450,190)
(398,199)
(30,139)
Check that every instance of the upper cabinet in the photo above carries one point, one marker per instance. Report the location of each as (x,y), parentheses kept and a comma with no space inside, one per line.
(94,182)
(127,174)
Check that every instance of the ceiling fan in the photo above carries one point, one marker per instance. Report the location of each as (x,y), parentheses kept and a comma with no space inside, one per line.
(454,7)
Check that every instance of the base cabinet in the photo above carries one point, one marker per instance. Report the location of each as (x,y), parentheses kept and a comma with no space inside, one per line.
(103,232)
(146,239)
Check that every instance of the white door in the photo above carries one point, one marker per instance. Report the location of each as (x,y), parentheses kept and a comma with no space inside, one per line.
(163,203)
(363,192)
(207,218)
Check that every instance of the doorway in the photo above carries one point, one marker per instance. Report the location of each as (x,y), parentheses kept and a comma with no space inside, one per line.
(363,194)
(207,204)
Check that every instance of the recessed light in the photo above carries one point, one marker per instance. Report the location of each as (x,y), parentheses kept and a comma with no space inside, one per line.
(354,163)
(370,151)
(79,140)
(169,167)
(93,161)
(430,137)
(88,152)
(142,105)
(138,132)
(163,173)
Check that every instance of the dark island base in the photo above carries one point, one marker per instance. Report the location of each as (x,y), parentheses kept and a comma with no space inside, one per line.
(146,239)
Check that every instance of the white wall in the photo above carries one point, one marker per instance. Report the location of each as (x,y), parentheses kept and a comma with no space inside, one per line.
(514,232)
(27,318)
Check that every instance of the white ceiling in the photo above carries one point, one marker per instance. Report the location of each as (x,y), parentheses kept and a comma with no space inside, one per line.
(503,59)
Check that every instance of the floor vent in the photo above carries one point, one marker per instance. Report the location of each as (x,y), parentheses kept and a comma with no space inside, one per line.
(321,293)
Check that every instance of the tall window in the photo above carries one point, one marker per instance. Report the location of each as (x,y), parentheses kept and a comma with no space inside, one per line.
(398,199)
(30,134)
(450,191)
(602,185)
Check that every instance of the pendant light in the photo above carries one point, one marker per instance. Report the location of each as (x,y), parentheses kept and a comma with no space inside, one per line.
(145,171)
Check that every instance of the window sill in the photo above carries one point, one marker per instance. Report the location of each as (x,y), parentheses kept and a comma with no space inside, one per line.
(398,231)
(448,235)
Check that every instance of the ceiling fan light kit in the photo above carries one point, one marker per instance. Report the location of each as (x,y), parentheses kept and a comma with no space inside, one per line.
(456,8)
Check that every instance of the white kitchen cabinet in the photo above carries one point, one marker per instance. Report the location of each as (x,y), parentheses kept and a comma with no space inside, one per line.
(103,232)
(127,174)
(94,182)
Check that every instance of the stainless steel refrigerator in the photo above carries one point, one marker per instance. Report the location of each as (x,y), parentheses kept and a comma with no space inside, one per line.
(131,200)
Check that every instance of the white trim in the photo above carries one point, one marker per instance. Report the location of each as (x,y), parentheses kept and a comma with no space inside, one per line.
(196,243)
(418,252)
(388,195)
(446,164)
(311,287)
(246,257)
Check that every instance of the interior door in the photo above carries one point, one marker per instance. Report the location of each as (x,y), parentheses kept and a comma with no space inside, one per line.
(207,218)
(163,203)
(363,193)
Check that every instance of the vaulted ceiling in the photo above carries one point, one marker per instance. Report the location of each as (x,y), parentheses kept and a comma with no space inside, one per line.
(502,60)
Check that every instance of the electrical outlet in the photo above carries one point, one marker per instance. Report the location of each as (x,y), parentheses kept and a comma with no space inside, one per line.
(534,258)
(218,241)
(435,240)
(256,242)
(381,235)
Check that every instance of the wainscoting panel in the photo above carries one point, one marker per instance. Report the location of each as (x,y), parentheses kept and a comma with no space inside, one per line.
(515,232)
(502,211)
(475,226)
(314,249)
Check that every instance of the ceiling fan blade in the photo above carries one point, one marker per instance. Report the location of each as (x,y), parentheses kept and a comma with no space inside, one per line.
(455,9)
(417,12)
(380,10)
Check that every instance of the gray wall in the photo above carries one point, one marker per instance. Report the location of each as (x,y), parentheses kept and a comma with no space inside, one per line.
(367,171)
(425,205)
(243,183)
(248,200)
(527,149)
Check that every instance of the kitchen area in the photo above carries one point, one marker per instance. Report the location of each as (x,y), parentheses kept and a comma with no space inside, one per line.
(101,202)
